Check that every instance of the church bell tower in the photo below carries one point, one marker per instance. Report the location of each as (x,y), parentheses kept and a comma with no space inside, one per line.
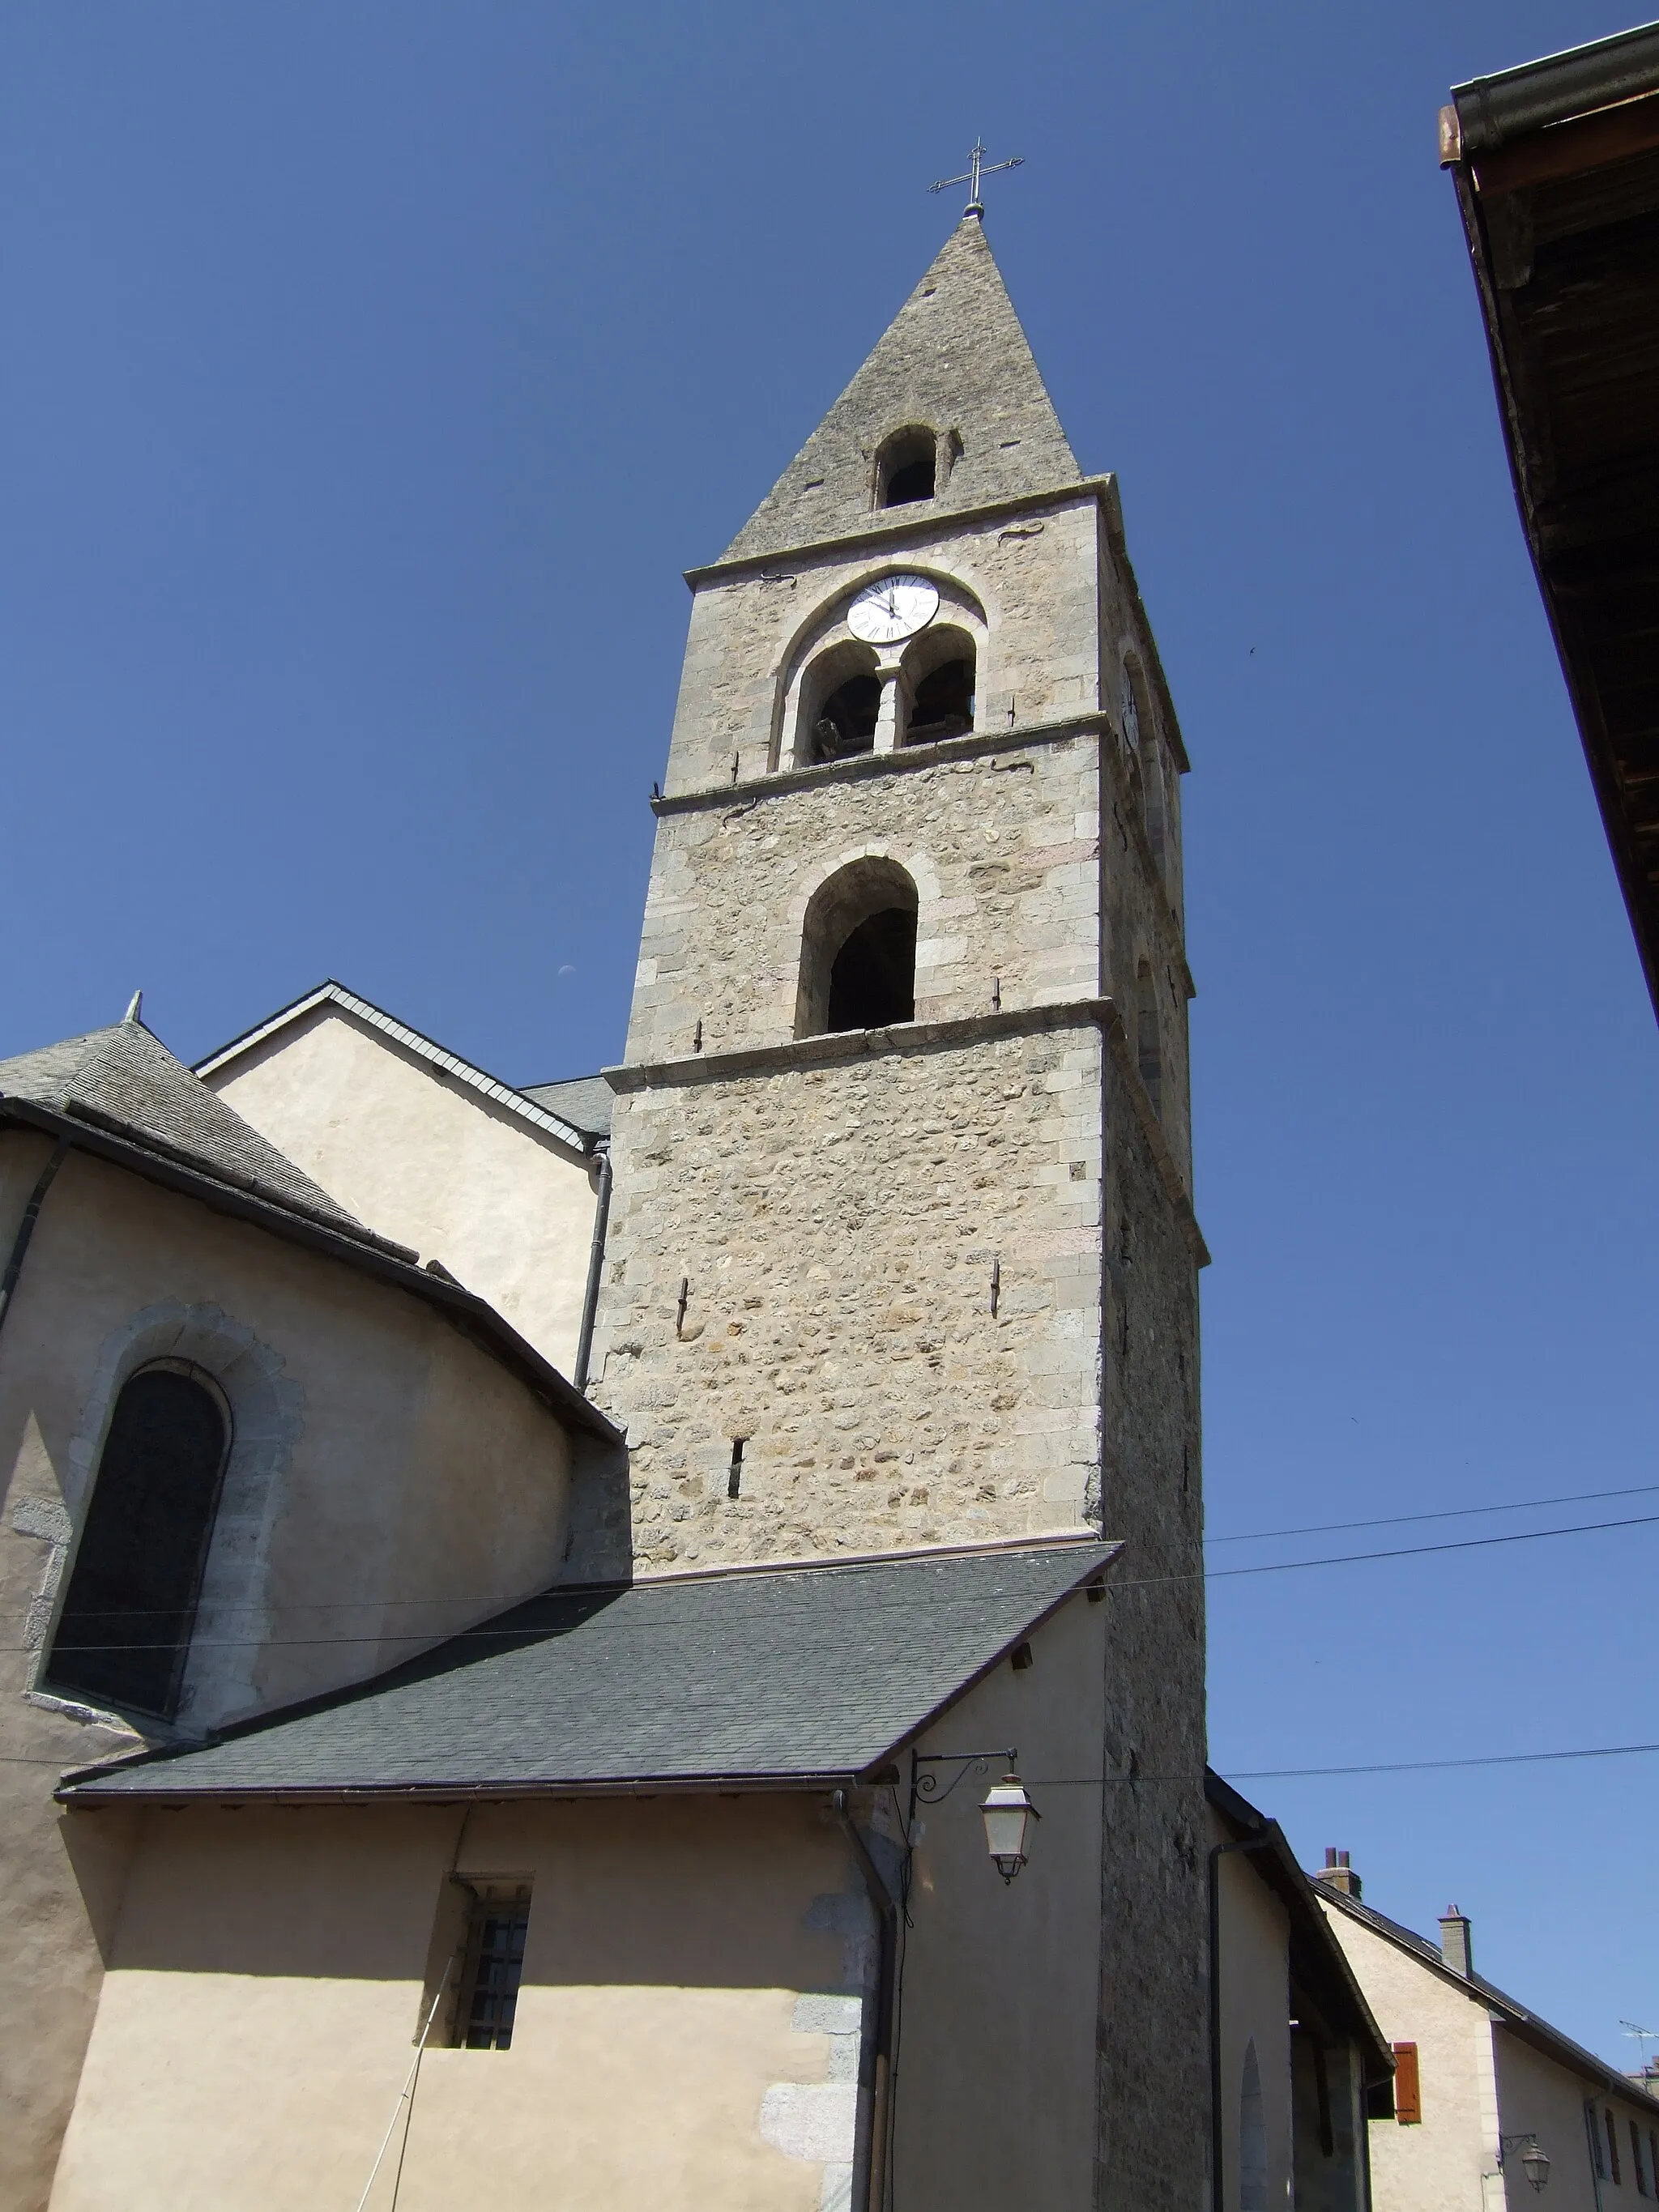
(902,1250)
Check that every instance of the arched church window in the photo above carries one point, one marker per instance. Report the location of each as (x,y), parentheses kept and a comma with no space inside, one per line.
(840,703)
(124,1631)
(940,668)
(1252,2136)
(1148,1052)
(859,952)
(906,468)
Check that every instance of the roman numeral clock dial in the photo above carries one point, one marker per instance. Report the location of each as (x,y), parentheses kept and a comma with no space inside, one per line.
(895,607)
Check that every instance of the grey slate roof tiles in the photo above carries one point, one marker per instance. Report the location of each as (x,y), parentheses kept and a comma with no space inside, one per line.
(585,1101)
(789,1673)
(126,1077)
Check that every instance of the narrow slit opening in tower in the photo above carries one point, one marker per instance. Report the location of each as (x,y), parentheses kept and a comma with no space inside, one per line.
(873,980)
(945,704)
(846,722)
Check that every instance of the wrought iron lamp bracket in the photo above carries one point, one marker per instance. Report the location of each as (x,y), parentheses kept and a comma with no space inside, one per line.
(924,1787)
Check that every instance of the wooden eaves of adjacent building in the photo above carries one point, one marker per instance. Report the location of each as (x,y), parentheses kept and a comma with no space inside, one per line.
(1556,165)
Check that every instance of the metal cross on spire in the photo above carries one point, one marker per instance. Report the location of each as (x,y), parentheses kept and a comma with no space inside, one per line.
(978,166)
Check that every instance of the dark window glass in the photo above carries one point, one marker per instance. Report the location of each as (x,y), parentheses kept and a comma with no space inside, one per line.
(945,703)
(873,980)
(489,1996)
(1613,2147)
(126,1622)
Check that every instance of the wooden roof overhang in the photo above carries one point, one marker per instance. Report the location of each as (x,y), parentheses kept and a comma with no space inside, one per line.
(1557,171)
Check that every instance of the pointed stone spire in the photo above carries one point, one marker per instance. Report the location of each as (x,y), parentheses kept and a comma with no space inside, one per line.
(953,359)
(135,1011)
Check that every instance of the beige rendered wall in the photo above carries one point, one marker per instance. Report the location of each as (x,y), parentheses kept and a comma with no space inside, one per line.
(1009,1995)
(1540,2097)
(1439,2164)
(388,1482)
(425,1159)
(1254,1979)
(675,2046)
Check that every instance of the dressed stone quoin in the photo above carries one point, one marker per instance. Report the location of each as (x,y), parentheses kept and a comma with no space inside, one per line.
(639,1640)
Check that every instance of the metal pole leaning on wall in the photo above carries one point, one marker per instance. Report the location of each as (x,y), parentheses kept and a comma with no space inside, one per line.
(595,1266)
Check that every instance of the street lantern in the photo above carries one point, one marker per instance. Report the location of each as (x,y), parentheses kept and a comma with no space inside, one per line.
(1008,1813)
(1535,2163)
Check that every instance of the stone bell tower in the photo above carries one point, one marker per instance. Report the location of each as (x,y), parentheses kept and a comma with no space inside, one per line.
(902,1251)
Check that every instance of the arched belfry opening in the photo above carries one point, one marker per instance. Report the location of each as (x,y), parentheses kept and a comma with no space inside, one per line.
(858,967)
(941,671)
(124,1634)
(907,467)
(840,702)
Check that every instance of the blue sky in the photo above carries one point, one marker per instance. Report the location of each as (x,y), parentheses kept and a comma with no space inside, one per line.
(373,369)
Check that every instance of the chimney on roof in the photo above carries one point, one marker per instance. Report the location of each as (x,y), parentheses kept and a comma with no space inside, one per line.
(1455,1947)
(1338,1874)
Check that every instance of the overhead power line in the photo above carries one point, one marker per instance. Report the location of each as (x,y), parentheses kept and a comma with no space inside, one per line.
(1448,1513)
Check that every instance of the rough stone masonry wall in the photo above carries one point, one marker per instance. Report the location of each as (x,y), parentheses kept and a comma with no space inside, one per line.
(1154,1991)
(1035,577)
(1002,849)
(837,1228)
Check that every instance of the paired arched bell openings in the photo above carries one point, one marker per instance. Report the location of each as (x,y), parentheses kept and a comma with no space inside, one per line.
(841,695)
(123,1633)
(858,966)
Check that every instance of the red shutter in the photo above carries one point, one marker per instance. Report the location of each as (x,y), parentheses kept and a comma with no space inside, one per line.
(1408,2088)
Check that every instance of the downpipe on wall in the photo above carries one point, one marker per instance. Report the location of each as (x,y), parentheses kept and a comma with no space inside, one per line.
(881,2103)
(595,1268)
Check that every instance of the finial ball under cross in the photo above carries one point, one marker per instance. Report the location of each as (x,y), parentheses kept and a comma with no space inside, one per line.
(978,166)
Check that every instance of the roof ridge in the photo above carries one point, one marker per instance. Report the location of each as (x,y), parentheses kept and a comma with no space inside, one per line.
(475,1078)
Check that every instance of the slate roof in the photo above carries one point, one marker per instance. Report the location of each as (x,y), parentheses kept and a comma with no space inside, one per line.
(124,1079)
(587,1100)
(786,1675)
(1513,2015)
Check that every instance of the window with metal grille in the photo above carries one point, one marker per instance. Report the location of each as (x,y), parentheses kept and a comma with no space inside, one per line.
(497,1928)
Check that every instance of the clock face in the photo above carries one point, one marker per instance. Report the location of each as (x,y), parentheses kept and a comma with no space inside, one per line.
(896,607)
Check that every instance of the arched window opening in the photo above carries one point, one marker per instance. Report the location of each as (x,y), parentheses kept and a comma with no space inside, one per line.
(859,952)
(1252,2136)
(906,468)
(839,701)
(940,668)
(1148,1054)
(872,979)
(124,1631)
(846,723)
